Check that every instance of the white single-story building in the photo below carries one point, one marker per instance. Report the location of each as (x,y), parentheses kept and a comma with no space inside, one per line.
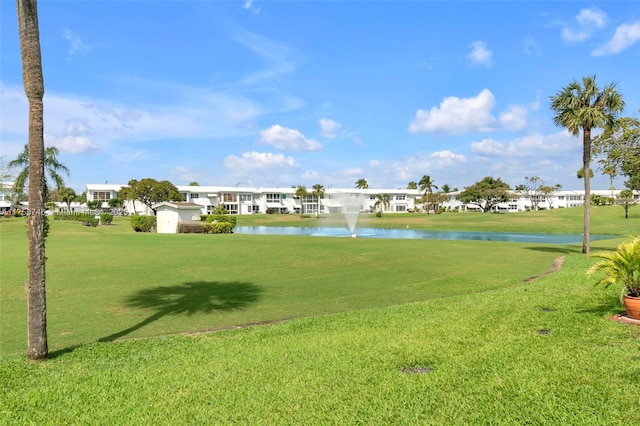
(170,214)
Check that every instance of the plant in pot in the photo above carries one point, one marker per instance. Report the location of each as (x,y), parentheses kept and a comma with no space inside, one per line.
(622,266)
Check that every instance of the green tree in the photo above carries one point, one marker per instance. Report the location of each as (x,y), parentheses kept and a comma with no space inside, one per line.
(29,33)
(585,107)
(580,173)
(382,202)
(533,190)
(317,191)
(620,148)
(446,188)
(51,164)
(150,192)
(626,200)
(412,185)
(194,183)
(548,192)
(301,193)
(486,193)
(427,186)
(67,196)
(362,184)
(115,203)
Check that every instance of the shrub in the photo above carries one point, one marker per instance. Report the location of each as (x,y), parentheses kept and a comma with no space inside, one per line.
(219,228)
(106,218)
(141,223)
(205,228)
(210,218)
(191,228)
(91,221)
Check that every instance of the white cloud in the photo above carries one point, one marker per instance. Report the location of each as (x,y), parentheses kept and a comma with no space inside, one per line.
(329,128)
(248,5)
(354,171)
(592,17)
(514,118)
(625,36)
(75,42)
(448,158)
(184,174)
(284,138)
(480,55)
(259,160)
(310,175)
(589,20)
(534,145)
(457,115)
(72,144)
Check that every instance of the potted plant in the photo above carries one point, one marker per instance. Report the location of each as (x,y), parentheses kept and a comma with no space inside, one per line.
(622,266)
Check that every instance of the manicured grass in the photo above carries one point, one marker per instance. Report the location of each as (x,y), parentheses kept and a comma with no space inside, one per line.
(480,345)
(109,282)
(540,352)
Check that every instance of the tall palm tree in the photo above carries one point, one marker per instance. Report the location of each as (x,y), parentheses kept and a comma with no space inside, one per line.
(37,346)
(51,164)
(362,184)
(586,106)
(382,202)
(318,192)
(427,186)
(302,193)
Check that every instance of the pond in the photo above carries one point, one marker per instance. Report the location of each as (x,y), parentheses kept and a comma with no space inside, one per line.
(419,234)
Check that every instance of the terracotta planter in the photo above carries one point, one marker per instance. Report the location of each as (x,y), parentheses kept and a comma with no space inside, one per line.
(632,305)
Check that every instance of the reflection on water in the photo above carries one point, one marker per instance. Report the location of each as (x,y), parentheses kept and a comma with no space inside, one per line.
(418,234)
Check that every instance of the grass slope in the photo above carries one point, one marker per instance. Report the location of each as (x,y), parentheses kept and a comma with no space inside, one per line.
(540,352)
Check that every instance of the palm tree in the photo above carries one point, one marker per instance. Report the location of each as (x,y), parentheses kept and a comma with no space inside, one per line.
(586,106)
(37,346)
(51,164)
(362,184)
(302,193)
(318,192)
(67,196)
(412,185)
(446,188)
(382,201)
(427,186)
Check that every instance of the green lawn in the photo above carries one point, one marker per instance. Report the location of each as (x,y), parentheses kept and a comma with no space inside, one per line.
(494,347)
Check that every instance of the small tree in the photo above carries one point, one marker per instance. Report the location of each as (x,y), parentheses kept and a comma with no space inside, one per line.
(549,191)
(382,202)
(533,190)
(486,193)
(362,184)
(318,192)
(301,193)
(150,192)
(626,201)
(67,196)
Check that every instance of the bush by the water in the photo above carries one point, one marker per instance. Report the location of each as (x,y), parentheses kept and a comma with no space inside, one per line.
(141,223)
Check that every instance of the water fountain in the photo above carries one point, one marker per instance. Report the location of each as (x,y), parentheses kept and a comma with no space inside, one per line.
(351,205)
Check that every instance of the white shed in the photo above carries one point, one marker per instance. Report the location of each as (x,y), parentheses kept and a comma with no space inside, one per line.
(169,214)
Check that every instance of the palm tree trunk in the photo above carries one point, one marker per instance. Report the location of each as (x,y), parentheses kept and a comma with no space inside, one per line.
(34,89)
(586,160)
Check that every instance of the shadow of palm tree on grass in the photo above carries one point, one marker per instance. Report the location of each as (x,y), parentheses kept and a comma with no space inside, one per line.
(188,299)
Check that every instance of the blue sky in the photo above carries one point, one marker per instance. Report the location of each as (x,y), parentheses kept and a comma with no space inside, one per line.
(281,93)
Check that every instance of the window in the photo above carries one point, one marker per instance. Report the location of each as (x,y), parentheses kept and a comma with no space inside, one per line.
(401,208)
(195,196)
(255,209)
(184,196)
(246,197)
(231,208)
(230,197)
(275,198)
(101,195)
(401,198)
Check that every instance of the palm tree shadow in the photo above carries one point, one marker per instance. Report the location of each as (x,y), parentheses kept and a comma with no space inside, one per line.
(565,249)
(188,299)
